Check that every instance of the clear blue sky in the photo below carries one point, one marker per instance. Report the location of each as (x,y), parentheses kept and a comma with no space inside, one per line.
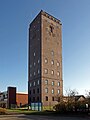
(15,16)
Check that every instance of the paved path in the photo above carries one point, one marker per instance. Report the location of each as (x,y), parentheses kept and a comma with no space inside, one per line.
(39,117)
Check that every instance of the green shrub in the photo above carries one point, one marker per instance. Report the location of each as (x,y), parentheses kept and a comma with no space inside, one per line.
(60,107)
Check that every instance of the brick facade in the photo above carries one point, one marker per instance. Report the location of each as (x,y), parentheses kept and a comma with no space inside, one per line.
(21,99)
(45,60)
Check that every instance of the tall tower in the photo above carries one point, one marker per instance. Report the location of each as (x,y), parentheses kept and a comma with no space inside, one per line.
(45,82)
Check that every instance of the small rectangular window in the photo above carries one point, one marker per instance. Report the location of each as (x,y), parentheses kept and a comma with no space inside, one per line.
(38,71)
(34,53)
(33,91)
(38,98)
(52,91)
(30,84)
(52,62)
(46,71)
(58,64)
(34,83)
(46,90)
(46,60)
(33,99)
(58,91)
(46,98)
(58,83)
(52,98)
(52,83)
(38,61)
(52,52)
(34,73)
(38,90)
(58,73)
(38,82)
(46,82)
(52,72)
(34,63)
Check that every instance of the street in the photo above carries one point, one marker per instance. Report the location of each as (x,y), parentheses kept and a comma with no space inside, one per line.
(39,117)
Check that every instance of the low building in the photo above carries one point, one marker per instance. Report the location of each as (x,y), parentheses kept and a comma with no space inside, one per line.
(21,99)
(3,99)
(12,99)
(76,98)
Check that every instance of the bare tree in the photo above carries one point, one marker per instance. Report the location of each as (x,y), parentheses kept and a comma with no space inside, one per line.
(71,103)
(88,96)
(71,93)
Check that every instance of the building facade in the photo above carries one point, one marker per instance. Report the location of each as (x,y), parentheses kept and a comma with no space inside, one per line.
(3,99)
(45,83)
(21,99)
(12,99)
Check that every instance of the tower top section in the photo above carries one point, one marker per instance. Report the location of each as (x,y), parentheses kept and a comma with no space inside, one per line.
(48,16)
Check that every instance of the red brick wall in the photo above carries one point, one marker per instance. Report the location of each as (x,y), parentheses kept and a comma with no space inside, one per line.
(21,98)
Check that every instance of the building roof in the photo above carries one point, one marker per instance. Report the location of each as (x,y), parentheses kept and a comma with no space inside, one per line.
(77,97)
(48,16)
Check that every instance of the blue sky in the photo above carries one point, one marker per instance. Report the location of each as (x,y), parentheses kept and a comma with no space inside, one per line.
(15,17)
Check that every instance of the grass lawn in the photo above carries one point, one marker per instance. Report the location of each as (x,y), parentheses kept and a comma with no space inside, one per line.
(18,111)
(28,112)
(47,113)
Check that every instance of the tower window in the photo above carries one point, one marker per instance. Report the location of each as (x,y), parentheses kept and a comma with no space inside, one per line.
(38,71)
(46,82)
(51,28)
(52,72)
(46,90)
(33,99)
(33,91)
(38,82)
(52,62)
(34,73)
(52,83)
(30,84)
(46,60)
(38,98)
(34,63)
(58,91)
(34,83)
(34,53)
(38,61)
(58,64)
(46,71)
(52,52)
(52,98)
(52,91)
(30,66)
(58,83)
(46,98)
(38,90)
(58,73)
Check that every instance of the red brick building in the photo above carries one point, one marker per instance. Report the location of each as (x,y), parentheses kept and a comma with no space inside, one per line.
(21,99)
(12,99)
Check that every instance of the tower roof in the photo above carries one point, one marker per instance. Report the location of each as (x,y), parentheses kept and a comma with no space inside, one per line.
(50,16)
